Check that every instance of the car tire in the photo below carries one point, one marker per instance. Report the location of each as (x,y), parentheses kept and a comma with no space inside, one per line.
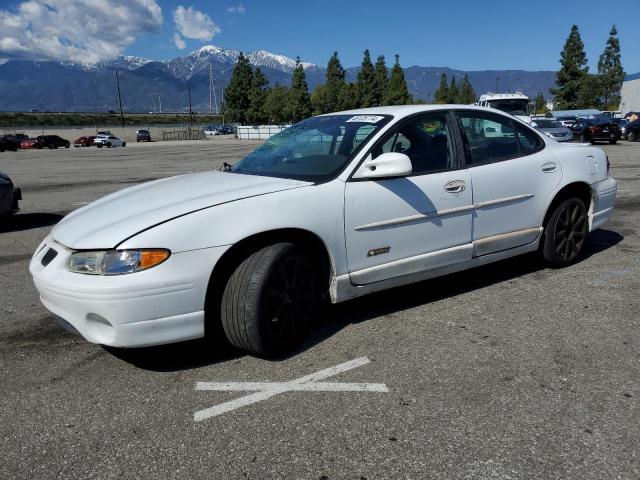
(565,233)
(632,137)
(124,144)
(269,301)
(613,142)
(108,144)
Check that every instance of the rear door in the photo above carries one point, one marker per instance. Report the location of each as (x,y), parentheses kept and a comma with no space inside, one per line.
(513,177)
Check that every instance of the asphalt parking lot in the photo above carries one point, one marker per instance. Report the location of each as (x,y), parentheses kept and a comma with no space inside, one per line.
(510,371)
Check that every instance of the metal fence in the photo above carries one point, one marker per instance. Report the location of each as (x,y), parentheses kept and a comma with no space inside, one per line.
(260,132)
(188,134)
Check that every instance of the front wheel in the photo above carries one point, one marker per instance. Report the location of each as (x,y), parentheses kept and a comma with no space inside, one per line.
(124,144)
(564,233)
(269,301)
(613,142)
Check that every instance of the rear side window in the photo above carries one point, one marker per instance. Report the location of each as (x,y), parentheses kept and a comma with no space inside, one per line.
(492,138)
(530,142)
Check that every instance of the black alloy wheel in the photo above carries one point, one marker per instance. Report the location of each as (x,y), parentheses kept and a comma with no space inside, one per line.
(565,233)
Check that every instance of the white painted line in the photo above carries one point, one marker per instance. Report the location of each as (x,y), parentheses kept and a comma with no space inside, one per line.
(293,387)
(265,390)
(80,204)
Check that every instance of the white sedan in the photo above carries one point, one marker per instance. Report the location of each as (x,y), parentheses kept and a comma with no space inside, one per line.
(108,141)
(332,208)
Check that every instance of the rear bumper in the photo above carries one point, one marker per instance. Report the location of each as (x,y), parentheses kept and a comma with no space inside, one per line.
(161,305)
(603,202)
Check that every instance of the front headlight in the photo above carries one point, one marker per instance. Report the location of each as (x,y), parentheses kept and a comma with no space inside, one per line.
(116,262)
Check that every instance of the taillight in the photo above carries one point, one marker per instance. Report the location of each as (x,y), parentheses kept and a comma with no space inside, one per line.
(593,129)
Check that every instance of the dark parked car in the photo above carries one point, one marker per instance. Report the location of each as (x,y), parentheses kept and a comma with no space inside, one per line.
(597,129)
(622,123)
(84,141)
(633,131)
(7,142)
(143,136)
(9,196)
(52,141)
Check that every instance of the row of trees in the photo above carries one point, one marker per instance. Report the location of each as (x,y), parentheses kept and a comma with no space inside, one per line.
(250,100)
(576,87)
(452,93)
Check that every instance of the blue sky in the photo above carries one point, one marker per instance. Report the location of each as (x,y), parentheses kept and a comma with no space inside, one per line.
(465,34)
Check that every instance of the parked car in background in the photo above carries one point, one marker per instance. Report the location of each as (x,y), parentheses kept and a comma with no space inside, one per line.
(375,198)
(7,142)
(103,132)
(143,136)
(567,121)
(596,130)
(108,141)
(18,136)
(30,143)
(52,141)
(211,130)
(622,123)
(633,131)
(10,196)
(554,129)
(84,141)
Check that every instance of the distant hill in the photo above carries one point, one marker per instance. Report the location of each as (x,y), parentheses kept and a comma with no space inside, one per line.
(633,76)
(66,86)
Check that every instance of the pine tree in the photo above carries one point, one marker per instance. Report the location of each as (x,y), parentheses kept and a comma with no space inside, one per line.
(397,92)
(467,95)
(334,84)
(348,97)
(299,100)
(381,80)
(236,95)
(572,73)
(441,95)
(541,103)
(454,93)
(590,92)
(275,105)
(366,83)
(257,96)
(319,99)
(610,71)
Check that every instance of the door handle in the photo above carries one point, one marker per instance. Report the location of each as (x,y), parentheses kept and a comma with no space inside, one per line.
(455,186)
(549,167)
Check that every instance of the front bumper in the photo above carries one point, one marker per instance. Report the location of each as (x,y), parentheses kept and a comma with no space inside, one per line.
(604,194)
(161,305)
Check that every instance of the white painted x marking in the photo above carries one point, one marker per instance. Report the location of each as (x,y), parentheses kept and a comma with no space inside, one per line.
(265,390)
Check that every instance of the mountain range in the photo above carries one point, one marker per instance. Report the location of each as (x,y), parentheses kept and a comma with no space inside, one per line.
(149,85)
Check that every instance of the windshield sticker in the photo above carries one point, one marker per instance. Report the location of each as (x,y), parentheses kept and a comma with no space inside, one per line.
(366,119)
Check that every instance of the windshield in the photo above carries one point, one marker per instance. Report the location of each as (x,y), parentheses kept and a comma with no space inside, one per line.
(548,124)
(314,149)
(514,107)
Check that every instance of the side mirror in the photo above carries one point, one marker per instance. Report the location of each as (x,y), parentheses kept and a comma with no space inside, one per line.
(387,165)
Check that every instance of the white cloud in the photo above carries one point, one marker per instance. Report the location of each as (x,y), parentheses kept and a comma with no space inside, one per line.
(194,24)
(177,39)
(237,9)
(78,30)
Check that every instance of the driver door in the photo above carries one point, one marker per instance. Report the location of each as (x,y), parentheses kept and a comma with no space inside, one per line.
(400,226)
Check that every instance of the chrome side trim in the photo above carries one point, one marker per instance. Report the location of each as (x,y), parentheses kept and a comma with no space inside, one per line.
(441,213)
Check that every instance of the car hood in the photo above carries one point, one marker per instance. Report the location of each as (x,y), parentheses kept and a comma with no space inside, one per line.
(107,222)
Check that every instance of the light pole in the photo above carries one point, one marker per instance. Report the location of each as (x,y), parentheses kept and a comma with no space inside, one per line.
(119,98)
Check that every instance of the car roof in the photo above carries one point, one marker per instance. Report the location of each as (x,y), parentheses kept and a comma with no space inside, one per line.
(400,111)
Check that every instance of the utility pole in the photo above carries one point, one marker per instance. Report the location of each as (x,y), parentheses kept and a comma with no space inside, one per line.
(215,98)
(160,103)
(119,98)
(210,89)
(190,111)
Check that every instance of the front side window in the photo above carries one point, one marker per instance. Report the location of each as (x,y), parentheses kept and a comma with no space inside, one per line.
(315,149)
(426,140)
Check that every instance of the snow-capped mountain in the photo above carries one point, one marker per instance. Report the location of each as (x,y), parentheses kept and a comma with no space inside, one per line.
(199,60)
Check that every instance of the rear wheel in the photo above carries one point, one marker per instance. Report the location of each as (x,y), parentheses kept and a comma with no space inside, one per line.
(269,301)
(632,137)
(565,233)
(612,142)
